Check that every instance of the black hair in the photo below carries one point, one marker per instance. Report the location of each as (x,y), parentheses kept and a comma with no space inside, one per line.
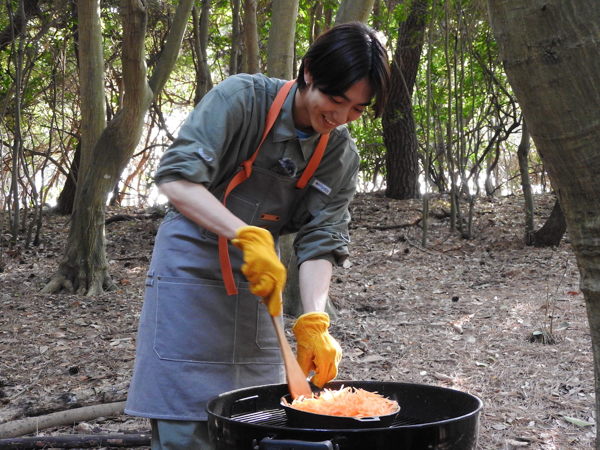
(344,55)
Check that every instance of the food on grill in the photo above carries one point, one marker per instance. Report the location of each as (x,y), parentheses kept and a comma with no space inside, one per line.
(346,402)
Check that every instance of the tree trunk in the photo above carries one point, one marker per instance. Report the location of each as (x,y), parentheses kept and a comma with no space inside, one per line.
(523,156)
(491,161)
(17,150)
(235,37)
(354,10)
(91,81)
(399,133)
(550,53)
(280,55)
(251,37)
(84,268)
(66,199)
(328,17)
(280,48)
(316,17)
(377,22)
(203,78)
(553,230)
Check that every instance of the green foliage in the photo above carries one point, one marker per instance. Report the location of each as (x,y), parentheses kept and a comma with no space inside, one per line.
(369,141)
(471,75)
(401,11)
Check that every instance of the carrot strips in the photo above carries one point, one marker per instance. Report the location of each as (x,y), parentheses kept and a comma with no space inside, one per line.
(346,402)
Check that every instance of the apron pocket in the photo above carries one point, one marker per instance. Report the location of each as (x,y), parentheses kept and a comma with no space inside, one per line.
(196,321)
(256,340)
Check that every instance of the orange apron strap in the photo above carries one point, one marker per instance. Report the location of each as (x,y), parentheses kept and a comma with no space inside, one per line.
(244,174)
(314,162)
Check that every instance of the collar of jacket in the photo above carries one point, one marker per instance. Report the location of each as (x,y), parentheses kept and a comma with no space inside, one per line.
(285,130)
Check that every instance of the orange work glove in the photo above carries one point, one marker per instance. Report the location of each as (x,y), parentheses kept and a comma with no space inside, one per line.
(317,349)
(262,267)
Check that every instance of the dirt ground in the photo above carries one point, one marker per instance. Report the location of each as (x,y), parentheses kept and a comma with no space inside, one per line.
(487,315)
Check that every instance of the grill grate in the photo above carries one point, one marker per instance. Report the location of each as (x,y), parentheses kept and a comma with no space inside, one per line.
(271,417)
(278,418)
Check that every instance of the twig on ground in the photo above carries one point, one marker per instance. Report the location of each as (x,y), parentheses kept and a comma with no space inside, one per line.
(141,439)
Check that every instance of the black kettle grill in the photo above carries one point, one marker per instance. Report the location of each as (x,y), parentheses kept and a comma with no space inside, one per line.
(430,418)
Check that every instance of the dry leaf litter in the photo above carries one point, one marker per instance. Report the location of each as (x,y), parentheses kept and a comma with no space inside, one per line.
(486,315)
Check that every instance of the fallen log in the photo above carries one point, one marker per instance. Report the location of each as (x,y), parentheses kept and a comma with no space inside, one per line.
(21,427)
(77,441)
(67,400)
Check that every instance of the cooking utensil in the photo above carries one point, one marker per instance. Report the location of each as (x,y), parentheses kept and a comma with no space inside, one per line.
(431,417)
(296,379)
(305,419)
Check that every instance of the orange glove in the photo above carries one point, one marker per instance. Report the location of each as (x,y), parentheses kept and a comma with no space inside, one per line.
(317,349)
(262,267)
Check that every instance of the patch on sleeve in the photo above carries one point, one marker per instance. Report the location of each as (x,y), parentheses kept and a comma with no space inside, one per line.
(321,186)
(204,156)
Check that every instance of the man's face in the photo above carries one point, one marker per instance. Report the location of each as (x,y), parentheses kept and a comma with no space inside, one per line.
(323,112)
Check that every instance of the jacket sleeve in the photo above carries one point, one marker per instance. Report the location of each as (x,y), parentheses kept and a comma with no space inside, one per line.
(213,140)
(323,217)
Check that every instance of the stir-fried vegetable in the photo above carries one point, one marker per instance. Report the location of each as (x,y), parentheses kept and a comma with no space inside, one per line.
(346,402)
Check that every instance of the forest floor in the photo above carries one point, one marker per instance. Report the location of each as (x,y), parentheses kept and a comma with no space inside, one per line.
(486,315)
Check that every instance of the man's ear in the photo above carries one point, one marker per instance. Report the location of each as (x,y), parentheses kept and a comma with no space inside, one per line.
(307,76)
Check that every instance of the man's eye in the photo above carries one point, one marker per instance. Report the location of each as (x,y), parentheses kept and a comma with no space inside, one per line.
(334,100)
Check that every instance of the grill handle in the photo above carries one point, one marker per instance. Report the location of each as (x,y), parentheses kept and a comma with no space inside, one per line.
(367,419)
(288,444)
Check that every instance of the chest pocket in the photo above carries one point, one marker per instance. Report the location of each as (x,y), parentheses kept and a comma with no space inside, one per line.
(267,200)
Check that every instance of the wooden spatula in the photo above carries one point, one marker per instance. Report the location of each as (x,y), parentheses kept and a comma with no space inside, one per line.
(296,379)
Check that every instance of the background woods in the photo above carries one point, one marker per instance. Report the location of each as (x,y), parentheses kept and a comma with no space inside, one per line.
(72,69)
(452,125)
(92,92)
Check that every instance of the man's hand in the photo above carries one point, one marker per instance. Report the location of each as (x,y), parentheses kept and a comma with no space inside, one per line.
(262,267)
(317,349)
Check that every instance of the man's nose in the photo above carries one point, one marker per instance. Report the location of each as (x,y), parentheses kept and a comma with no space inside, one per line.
(341,115)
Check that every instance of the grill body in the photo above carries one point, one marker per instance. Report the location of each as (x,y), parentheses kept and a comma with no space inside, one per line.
(430,418)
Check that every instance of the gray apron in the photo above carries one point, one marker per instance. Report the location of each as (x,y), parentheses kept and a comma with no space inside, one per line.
(195,341)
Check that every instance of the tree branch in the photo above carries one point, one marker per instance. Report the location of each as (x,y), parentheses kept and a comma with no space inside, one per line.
(171,51)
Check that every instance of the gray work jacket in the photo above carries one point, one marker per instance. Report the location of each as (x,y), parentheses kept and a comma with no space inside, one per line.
(225,129)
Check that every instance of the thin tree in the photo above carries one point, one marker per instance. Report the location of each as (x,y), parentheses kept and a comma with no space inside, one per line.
(280,47)
(17,150)
(428,129)
(236,37)
(91,82)
(454,209)
(251,53)
(398,121)
(523,156)
(200,44)
(280,55)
